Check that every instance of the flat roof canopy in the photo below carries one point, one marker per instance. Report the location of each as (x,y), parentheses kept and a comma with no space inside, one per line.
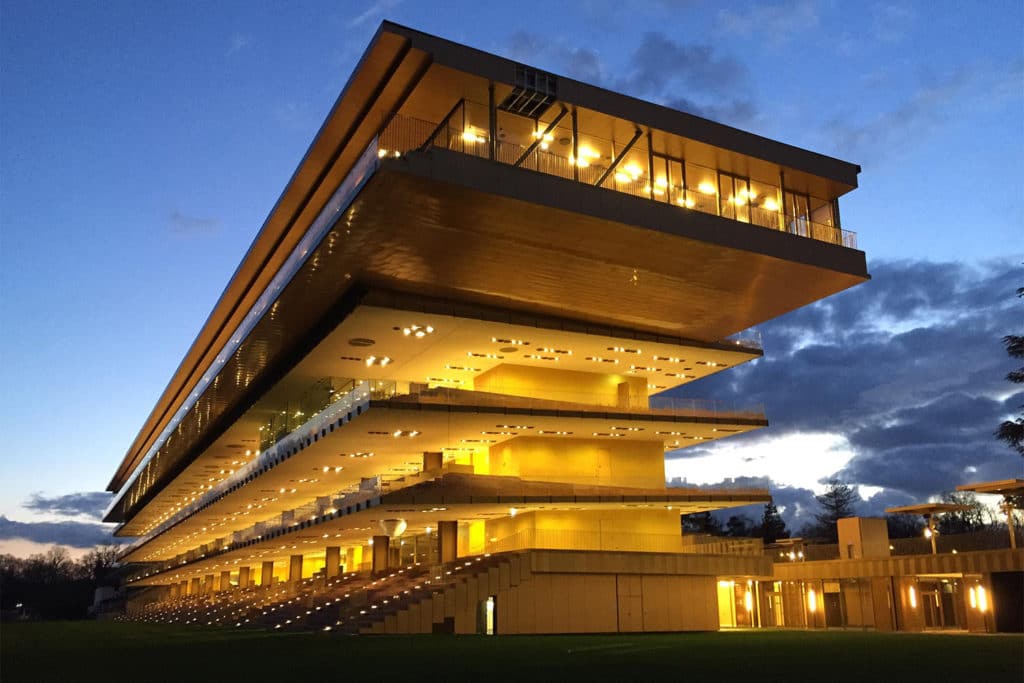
(1012,487)
(927,509)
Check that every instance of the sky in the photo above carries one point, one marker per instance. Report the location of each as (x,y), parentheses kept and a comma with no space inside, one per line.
(142,144)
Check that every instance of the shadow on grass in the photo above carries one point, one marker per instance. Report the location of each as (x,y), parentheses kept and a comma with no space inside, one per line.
(91,651)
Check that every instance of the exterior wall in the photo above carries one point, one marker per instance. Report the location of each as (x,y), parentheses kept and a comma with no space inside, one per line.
(893,593)
(863,537)
(565,385)
(639,464)
(579,592)
(644,530)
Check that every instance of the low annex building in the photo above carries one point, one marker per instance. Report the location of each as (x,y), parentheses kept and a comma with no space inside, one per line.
(433,395)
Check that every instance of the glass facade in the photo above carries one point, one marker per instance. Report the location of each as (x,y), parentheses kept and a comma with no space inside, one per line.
(633,165)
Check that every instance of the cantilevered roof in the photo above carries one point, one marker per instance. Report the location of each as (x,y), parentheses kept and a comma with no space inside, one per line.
(926,509)
(494,68)
(1002,487)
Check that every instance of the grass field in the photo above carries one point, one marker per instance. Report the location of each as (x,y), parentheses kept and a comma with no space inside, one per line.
(90,651)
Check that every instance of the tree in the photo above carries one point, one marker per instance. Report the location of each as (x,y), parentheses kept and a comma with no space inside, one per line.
(701,523)
(961,521)
(904,526)
(838,501)
(98,562)
(1012,431)
(740,526)
(773,527)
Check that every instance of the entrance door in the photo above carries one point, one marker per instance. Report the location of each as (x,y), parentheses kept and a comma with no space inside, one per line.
(940,608)
(486,617)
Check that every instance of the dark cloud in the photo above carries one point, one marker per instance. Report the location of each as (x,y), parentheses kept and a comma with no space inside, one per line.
(91,504)
(580,63)
(74,534)
(798,506)
(701,80)
(908,367)
(182,224)
(692,77)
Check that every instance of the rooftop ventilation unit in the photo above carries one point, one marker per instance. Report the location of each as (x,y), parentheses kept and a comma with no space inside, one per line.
(532,94)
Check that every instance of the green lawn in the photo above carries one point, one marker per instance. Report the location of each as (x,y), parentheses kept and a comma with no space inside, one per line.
(90,651)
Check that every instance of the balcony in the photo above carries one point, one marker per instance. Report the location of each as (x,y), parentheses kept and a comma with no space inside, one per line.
(688,186)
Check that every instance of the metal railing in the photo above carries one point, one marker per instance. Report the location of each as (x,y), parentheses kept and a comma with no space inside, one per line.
(706,544)
(582,402)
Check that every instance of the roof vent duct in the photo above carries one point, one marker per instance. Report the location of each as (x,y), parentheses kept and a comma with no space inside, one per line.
(533,93)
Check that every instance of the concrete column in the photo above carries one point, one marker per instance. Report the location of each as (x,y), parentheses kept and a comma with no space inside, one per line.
(447,541)
(208,584)
(243,577)
(225,581)
(295,569)
(350,559)
(174,588)
(193,588)
(183,588)
(332,561)
(267,573)
(380,553)
(432,461)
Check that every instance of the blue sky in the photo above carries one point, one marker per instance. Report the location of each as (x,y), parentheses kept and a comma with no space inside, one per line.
(142,144)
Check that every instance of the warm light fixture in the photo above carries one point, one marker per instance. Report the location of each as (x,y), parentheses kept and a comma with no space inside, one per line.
(770,205)
(982,599)
(418,331)
(706,188)
(912,594)
(812,601)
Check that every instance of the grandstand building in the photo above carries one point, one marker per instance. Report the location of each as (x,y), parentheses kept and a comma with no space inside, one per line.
(435,395)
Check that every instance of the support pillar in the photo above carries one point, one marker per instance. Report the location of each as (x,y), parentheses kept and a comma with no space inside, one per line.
(380,547)
(225,581)
(208,584)
(193,588)
(350,559)
(267,573)
(432,461)
(1008,509)
(183,588)
(295,569)
(243,577)
(332,561)
(447,541)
